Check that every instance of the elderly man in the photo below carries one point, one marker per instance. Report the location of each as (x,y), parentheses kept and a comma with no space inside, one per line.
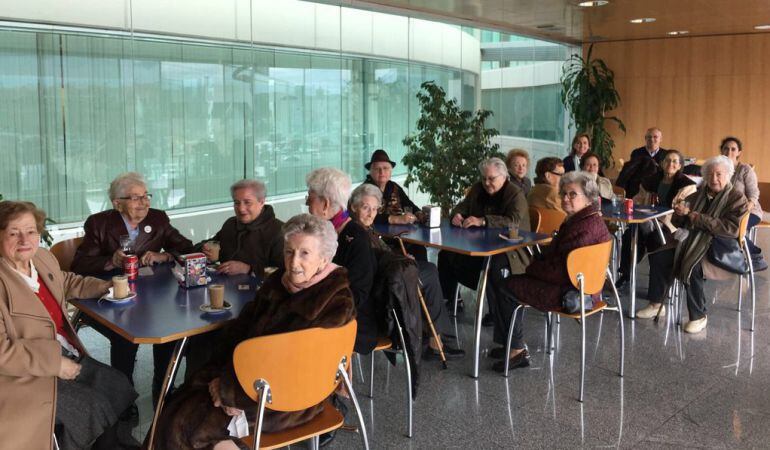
(132,223)
(645,161)
(252,239)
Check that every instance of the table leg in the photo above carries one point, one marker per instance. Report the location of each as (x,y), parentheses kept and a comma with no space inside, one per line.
(173,366)
(634,242)
(481,292)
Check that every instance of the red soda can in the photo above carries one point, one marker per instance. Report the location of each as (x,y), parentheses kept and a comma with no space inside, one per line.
(131,266)
(629,206)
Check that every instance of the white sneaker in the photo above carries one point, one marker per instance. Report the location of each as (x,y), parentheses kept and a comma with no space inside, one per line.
(651,310)
(696,326)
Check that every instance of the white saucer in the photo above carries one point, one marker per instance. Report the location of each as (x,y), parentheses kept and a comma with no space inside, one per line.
(645,210)
(510,239)
(209,310)
(111,299)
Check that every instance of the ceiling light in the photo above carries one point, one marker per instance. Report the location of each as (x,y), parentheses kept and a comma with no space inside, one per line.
(643,20)
(677,33)
(588,4)
(762,27)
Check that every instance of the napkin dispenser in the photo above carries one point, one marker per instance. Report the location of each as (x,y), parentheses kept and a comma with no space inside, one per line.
(190,270)
(432,216)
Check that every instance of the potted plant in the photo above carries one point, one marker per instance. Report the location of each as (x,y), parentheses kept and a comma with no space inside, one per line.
(444,154)
(588,93)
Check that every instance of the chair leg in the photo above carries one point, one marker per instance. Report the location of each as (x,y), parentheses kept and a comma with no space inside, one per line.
(620,321)
(508,341)
(314,443)
(371,375)
(740,292)
(752,282)
(548,332)
(349,386)
(408,368)
(456,300)
(360,368)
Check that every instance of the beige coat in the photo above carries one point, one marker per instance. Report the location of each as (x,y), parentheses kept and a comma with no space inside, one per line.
(30,356)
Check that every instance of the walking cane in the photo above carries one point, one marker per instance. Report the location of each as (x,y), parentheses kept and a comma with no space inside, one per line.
(427,314)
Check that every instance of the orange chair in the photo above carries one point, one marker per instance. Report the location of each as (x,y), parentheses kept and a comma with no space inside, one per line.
(588,268)
(294,371)
(550,220)
(64,252)
(534,218)
(619,191)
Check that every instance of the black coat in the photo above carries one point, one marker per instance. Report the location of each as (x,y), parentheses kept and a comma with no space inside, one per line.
(394,199)
(258,243)
(355,253)
(634,171)
(651,183)
(395,287)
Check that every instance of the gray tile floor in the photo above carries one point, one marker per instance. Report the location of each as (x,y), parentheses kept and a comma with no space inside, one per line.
(708,391)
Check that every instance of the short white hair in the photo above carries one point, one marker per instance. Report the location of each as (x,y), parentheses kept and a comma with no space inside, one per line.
(332,184)
(712,162)
(123,182)
(257,187)
(495,162)
(586,182)
(365,190)
(310,225)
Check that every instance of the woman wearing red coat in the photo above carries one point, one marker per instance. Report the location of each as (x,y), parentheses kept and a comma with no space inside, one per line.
(546,280)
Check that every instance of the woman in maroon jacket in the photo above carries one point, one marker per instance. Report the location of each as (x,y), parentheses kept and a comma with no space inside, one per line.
(546,280)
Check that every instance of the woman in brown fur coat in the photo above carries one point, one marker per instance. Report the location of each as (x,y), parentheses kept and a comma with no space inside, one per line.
(309,292)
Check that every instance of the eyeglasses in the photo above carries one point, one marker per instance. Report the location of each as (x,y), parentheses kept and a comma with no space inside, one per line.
(572,195)
(137,198)
(555,173)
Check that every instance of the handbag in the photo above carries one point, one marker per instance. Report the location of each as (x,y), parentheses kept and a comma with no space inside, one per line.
(725,252)
(571,302)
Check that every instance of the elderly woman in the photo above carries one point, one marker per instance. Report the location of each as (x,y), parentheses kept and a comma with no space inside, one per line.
(364,204)
(396,207)
(493,202)
(581,144)
(745,181)
(251,240)
(716,208)
(46,376)
(517,161)
(146,231)
(309,291)
(546,279)
(545,192)
(328,191)
(592,165)
(669,187)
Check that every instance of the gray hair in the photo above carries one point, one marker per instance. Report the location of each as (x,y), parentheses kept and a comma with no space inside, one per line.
(331,184)
(257,187)
(495,162)
(710,163)
(365,190)
(310,225)
(122,182)
(586,182)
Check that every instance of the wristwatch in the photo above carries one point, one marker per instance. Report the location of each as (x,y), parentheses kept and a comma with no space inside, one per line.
(483,221)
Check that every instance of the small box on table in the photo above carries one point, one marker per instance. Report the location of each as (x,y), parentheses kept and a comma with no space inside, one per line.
(190,270)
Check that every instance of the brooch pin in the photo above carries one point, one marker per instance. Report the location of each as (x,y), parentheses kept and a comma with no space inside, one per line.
(147,228)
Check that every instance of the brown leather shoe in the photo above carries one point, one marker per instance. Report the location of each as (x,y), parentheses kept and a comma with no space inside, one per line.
(520,360)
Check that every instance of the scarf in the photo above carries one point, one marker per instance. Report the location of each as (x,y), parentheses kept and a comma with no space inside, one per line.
(339,219)
(694,247)
(320,275)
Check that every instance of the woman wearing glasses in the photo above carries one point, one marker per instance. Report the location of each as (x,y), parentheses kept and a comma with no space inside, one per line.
(131,224)
(545,192)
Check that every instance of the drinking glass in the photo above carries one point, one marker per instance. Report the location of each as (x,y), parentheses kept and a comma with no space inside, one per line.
(126,244)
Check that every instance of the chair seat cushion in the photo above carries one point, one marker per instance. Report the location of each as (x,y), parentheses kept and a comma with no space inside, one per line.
(330,419)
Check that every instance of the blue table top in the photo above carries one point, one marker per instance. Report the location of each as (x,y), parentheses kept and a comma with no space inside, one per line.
(163,311)
(641,213)
(475,241)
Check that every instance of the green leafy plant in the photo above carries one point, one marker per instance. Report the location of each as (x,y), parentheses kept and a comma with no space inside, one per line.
(443,156)
(588,94)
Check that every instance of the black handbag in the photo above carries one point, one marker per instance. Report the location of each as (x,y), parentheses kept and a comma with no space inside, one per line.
(725,252)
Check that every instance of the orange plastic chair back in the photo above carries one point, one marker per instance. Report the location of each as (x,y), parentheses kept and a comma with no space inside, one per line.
(591,261)
(550,220)
(64,252)
(619,191)
(534,219)
(743,227)
(300,366)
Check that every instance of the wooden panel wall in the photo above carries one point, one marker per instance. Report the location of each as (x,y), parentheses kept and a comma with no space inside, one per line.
(697,90)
